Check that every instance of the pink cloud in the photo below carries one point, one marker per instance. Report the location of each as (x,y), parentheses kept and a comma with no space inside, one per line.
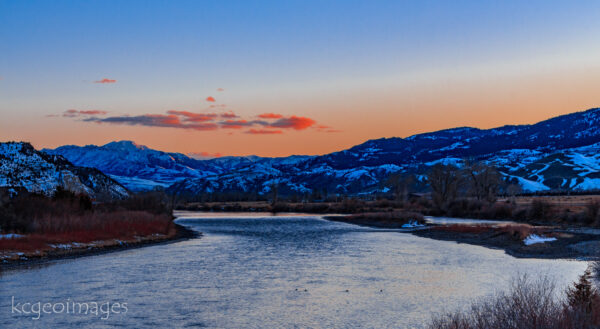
(235,124)
(194,117)
(71,113)
(229,115)
(269,123)
(326,129)
(210,99)
(204,155)
(270,116)
(105,80)
(154,120)
(294,122)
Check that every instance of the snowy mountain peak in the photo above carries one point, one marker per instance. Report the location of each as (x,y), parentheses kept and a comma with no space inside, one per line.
(124,145)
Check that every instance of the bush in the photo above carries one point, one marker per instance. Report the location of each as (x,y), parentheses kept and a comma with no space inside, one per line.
(540,210)
(592,212)
(67,217)
(529,304)
(498,211)
(518,231)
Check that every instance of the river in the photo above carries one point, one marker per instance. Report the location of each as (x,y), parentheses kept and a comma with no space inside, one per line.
(264,271)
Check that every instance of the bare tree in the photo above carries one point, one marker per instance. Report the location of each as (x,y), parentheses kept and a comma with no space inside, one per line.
(274,192)
(444,181)
(512,190)
(400,184)
(484,181)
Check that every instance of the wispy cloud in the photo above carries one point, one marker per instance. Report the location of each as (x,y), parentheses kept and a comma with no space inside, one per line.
(269,123)
(155,120)
(204,155)
(263,132)
(235,124)
(72,113)
(195,117)
(229,115)
(326,129)
(105,80)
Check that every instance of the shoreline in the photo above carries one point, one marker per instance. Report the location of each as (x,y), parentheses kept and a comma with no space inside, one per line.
(572,243)
(182,233)
(562,248)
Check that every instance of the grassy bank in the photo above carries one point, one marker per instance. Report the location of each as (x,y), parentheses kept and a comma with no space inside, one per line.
(36,226)
(389,219)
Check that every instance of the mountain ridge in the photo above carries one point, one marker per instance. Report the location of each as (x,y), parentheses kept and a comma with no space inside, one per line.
(523,153)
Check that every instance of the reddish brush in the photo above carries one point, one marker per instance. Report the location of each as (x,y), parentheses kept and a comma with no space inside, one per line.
(122,225)
(520,231)
(23,244)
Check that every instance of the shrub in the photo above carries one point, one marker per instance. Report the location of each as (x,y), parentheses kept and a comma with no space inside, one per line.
(67,217)
(529,304)
(518,231)
(592,212)
(540,210)
(498,211)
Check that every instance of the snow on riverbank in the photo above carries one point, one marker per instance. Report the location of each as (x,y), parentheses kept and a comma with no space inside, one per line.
(10,236)
(412,224)
(534,238)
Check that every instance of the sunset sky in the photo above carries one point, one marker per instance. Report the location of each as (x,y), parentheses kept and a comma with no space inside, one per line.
(275,78)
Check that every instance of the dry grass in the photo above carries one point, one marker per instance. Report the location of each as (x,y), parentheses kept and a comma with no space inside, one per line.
(67,218)
(516,231)
(462,228)
(572,203)
(391,216)
(121,225)
(519,231)
(528,304)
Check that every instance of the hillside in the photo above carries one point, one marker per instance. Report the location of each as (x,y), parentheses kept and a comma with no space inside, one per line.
(23,167)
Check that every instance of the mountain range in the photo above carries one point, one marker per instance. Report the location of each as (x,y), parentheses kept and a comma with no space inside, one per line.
(561,153)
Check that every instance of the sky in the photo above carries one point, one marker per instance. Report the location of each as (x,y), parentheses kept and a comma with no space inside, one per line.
(275,78)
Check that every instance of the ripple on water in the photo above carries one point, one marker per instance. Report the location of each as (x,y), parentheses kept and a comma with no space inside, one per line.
(259,271)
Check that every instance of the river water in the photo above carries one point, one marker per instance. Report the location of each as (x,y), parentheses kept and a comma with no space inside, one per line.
(263,271)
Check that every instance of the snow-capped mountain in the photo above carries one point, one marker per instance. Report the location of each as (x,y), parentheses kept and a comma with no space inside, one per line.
(559,153)
(140,168)
(21,166)
(135,166)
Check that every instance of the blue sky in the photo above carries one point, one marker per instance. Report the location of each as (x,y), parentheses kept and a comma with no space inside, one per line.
(338,62)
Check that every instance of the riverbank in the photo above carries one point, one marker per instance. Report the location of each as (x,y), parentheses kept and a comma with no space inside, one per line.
(395,219)
(515,239)
(567,245)
(12,259)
